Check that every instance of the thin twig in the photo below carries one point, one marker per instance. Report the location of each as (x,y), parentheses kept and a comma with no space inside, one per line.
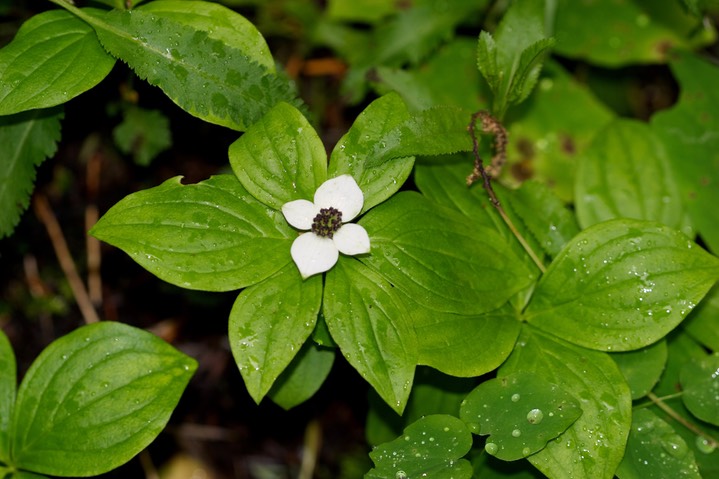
(47,217)
(311,450)
(674,415)
(91,150)
(492,125)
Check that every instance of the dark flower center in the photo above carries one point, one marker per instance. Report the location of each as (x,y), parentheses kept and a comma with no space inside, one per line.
(327,222)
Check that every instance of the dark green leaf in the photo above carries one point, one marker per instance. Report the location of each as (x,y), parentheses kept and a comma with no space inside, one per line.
(643,367)
(593,446)
(280,158)
(53,58)
(143,133)
(440,260)
(431,447)
(269,323)
(693,151)
(700,382)
(205,76)
(26,140)
(703,322)
(372,327)
(520,413)
(303,377)
(8,386)
(625,173)
(95,398)
(621,285)
(655,451)
(212,236)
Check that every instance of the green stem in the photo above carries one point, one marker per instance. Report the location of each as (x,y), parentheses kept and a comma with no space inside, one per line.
(678,418)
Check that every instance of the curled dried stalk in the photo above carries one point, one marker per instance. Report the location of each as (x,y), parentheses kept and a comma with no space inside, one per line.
(493,126)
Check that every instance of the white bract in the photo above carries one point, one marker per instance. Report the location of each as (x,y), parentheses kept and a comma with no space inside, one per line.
(336,202)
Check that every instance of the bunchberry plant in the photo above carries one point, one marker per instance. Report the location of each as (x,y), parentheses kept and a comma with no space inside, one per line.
(517,272)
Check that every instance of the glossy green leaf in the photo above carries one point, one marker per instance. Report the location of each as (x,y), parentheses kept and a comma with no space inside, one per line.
(621,285)
(371,326)
(220,23)
(431,447)
(440,261)
(625,173)
(95,398)
(519,413)
(615,33)
(269,323)
(54,57)
(26,140)
(205,76)
(593,446)
(212,236)
(703,322)
(693,153)
(8,386)
(463,345)
(143,134)
(377,174)
(22,474)
(643,367)
(303,377)
(280,158)
(700,382)
(655,451)
(547,133)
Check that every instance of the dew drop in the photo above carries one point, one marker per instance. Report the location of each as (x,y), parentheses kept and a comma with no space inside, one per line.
(491,448)
(535,416)
(675,446)
(400,475)
(704,445)
(515,397)
(516,433)
(526,451)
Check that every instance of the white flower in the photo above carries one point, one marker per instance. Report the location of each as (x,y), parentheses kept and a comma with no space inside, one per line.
(336,202)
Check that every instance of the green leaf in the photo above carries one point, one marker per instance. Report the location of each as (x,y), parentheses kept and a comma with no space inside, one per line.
(703,322)
(694,154)
(8,386)
(440,261)
(369,11)
(550,131)
(212,236)
(431,447)
(269,323)
(625,173)
(95,398)
(700,382)
(26,139)
(143,133)
(621,285)
(655,451)
(280,158)
(378,175)
(643,367)
(463,345)
(617,33)
(372,327)
(520,412)
(593,446)
(204,76)
(303,377)
(220,23)
(53,58)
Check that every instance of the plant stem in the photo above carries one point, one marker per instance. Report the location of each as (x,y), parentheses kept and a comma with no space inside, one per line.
(492,125)
(674,415)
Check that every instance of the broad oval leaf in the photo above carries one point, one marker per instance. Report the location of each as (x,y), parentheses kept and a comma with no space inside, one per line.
(700,382)
(621,285)
(269,323)
(8,387)
(280,158)
(625,173)
(54,57)
(439,259)
(593,445)
(431,447)
(26,140)
(206,77)
(520,413)
(303,377)
(211,236)
(656,451)
(95,398)
(372,326)
(642,368)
